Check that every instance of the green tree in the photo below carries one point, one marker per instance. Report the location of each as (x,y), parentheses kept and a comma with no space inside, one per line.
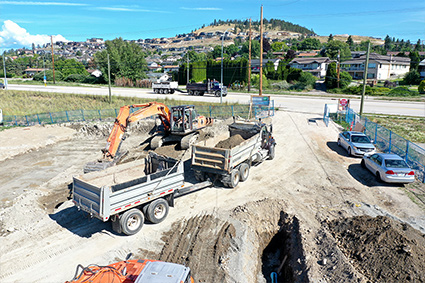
(309,44)
(331,80)
(350,41)
(279,46)
(332,47)
(412,78)
(330,38)
(70,66)
(418,46)
(415,59)
(421,87)
(255,49)
(388,42)
(127,60)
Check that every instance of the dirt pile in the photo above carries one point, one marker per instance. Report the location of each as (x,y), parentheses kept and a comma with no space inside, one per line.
(230,142)
(384,250)
(103,128)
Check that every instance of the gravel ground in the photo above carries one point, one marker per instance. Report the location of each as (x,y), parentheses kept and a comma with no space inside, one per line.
(291,216)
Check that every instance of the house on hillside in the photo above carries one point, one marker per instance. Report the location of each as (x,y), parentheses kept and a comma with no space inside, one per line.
(316,65)
(255,64)
(32,71)
(381,67)
(307,54)
(421,69)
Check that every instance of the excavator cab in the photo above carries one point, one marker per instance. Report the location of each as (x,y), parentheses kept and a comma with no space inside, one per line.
(184,119)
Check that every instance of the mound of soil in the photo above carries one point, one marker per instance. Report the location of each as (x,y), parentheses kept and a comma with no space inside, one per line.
(383,249)
(230,142)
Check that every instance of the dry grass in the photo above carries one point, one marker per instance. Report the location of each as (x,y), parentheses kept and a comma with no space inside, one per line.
(28,103)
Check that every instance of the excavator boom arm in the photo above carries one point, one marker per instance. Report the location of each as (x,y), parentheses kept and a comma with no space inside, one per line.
(124,118)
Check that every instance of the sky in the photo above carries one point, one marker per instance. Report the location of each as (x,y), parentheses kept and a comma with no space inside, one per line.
(25,22)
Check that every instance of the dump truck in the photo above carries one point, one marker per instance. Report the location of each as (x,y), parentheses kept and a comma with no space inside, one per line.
(249,144)
(211,87)
(129,193)
(165,87)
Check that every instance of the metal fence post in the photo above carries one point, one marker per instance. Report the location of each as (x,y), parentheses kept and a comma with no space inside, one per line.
(407,151)
(82,113)
(16,120)
(100,116)
(38,119)
(26,118)
(365,126)
(233,113)
(67,117)
(376,132)
(116,113)
(210,111)
(389,145)
(51,118)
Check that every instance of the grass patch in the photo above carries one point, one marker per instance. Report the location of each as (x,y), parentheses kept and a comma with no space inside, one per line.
(28,103)
(410,128)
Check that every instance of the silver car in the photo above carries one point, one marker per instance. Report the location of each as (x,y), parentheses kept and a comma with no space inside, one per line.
(356,143)
(389,168)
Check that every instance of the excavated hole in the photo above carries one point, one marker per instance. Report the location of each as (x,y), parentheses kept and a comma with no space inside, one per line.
(283,254)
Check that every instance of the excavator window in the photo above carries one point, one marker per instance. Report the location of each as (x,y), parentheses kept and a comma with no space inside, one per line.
(187,120)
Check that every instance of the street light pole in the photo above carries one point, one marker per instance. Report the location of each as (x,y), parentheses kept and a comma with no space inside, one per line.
(221,88)
(4,69)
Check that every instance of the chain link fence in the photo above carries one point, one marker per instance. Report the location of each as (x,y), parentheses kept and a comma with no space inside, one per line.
(388,141)
(219,111)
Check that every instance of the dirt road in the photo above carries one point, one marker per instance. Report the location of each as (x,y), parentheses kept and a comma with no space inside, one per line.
(291,215)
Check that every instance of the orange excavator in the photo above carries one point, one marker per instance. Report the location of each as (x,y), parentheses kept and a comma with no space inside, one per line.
(178,124)
(134,271)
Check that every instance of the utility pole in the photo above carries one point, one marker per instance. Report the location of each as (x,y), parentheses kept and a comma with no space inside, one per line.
(261,53)
(53,59)
(338,67)
(4,69)
(249,61)
(365,78)
(44,70)
(109,80)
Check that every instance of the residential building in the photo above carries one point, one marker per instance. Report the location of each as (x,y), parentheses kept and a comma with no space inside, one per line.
(255,64)
(421,69)
(32,71)
(315,65)
(381,67)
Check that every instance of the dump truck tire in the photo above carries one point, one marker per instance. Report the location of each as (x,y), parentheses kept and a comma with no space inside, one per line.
(272,152)
(132,221)
(157,210)
(244,172)
(217,93)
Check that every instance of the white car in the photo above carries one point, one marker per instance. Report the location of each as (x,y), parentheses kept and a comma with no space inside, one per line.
(356,143)
(389,168)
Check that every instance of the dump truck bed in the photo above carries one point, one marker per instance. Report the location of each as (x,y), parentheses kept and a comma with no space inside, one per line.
(105,193)
(223,160)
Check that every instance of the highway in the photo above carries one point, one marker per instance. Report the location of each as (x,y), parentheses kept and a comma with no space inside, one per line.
(296,103)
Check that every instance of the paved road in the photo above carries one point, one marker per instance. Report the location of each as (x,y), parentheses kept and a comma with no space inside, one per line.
(308,104)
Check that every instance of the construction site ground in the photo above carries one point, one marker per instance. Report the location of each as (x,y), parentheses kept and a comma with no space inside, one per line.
(312,214)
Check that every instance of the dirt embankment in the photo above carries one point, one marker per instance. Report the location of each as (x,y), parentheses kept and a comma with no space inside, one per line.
(383,249)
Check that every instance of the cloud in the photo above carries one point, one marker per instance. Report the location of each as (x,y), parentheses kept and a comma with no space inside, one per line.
(14,36)
(202,9)
(124,9)
(27,3)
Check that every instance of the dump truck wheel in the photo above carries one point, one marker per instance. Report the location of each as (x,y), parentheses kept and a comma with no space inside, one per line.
(157,211)
(165,91)
(272,152)
(190,92)
(132,221)
(156,142)
(217,93)
(172,91)
(224,94)
(244,172)
(188,140)
(234,178)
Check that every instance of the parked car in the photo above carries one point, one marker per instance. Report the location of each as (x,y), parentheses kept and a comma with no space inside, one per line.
(388,167)
(356,143)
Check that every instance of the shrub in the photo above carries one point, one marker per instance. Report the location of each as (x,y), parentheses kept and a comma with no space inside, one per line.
(307,79)
(281,85)
(294,74)
(381,90)
(421,87)
(93,80)
(389,84)
(412,78)
(49,76)
(74,78)
(402,91)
